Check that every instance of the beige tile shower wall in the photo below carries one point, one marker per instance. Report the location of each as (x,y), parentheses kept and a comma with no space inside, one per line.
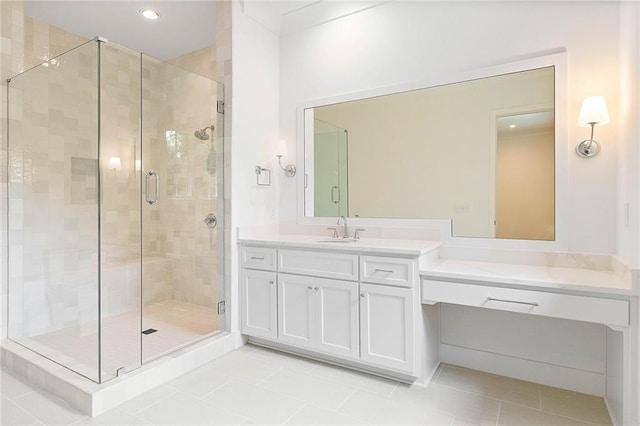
(53,221)
(177,103)
(120,207)
(43,41)
(11,58)
(201,62)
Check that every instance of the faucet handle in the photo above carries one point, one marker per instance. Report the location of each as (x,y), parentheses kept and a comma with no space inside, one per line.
(356,234)
(335,232)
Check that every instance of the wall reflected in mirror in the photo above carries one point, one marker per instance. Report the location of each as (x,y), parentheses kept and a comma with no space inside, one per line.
(479,152)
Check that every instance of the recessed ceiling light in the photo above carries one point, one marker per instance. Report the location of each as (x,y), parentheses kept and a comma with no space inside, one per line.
(512,126)
(149,14)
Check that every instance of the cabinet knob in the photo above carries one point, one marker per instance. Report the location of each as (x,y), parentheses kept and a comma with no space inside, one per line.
(270,282)
(361,294)
(310,288)
(316,289)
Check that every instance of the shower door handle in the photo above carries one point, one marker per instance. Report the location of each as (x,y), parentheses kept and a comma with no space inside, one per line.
(147,178)
(334,190)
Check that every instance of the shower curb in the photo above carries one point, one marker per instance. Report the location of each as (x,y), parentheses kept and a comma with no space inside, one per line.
(94,399)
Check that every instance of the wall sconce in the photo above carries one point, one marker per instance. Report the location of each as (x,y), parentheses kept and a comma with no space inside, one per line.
(281,151)
(115,163)
(594,111)
(138,165)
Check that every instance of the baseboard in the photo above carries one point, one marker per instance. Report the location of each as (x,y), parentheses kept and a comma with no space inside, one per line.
(524,369)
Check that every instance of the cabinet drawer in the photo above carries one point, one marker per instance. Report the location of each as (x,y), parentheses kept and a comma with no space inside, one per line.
(581,308)
(322,264)
(387,270)
(258,258)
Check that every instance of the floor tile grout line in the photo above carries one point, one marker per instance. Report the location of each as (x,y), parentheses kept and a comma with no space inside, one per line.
(20,407)
(269,375)
(175,390)
(337,410)
(262,387)
(12,399)
(549,412)
(227,381)
(296,412)
(394,389)
(348,371)
(495,398)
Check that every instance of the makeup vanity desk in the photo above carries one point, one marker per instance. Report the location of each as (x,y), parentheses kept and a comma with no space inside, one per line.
(599,296)
(600,293)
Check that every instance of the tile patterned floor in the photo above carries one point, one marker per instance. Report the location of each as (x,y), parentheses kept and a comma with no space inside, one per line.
(257,386)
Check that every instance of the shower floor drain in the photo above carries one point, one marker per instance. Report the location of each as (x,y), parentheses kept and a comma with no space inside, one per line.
(149,331)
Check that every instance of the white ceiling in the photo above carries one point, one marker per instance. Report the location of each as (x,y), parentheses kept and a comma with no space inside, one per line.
(526,123)
(184,26)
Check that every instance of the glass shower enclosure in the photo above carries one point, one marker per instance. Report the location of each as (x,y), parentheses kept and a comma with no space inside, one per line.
(115,190)
(331,171)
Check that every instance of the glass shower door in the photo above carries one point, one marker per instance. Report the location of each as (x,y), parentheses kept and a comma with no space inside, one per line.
(331,178)
(180,164)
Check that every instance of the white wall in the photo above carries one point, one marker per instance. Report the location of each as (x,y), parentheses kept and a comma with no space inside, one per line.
(408,41)
(629,130)
(255,75)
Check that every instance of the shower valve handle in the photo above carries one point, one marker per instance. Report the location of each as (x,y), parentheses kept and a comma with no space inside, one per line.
(211,221)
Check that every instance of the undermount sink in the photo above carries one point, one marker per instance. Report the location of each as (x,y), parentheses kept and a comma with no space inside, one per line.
(336,240)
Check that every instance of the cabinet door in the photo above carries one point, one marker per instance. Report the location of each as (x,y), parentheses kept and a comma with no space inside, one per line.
(258,293)
(387,327)
(337,319)
(296,310)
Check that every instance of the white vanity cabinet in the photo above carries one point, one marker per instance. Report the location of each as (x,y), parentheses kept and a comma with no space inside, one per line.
(387,316)
(387,326)
(258,292)
(337,304)
(319,314)
(259,303)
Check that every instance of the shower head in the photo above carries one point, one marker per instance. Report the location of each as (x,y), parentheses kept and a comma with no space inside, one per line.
(202,133)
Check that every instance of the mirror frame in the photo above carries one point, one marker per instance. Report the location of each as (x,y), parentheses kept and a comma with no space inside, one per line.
(562,147)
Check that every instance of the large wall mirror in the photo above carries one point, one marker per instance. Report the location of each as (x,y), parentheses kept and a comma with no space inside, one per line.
(480,152)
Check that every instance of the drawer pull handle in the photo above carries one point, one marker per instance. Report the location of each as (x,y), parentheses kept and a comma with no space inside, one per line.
(383,270)
(493,299)
(257,258)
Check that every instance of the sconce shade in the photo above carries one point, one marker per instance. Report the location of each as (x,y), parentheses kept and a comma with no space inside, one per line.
(281,148)
(594,110)
(115,163)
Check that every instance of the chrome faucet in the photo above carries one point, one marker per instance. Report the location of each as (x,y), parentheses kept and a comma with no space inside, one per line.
(345,232)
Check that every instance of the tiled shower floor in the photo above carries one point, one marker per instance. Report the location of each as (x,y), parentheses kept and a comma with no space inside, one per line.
(177,324)
(257,386)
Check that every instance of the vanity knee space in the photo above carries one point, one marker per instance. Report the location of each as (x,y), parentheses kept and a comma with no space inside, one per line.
(341,305)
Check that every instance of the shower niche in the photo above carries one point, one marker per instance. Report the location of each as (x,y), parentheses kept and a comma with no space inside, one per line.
(95,135)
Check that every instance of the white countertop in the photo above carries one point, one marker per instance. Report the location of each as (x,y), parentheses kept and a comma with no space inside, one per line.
(535,277)
(364,245)
(556,272)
